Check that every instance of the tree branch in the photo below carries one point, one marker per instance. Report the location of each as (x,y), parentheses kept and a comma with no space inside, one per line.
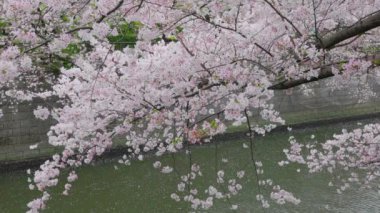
(326,72)
(111,11)
(363,25)
(298,32)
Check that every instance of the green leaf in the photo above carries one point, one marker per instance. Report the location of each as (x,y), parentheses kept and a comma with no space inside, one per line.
(177,140)
(71,49)
(376,62)
(341,65)
(127,35)
(214,124)
(65,18)
(3,24)
(43,7)
(172,38)
(179,29)
(3,27)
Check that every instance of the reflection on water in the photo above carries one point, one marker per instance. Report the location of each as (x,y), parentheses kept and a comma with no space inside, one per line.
(140,188)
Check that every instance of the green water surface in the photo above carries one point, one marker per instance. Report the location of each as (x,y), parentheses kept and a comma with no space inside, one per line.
(141,188)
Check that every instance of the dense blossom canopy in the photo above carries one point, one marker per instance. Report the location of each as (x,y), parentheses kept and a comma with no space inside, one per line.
(195,67)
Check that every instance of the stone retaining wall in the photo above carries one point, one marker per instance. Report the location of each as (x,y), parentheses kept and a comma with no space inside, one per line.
(19,129)
(322,96)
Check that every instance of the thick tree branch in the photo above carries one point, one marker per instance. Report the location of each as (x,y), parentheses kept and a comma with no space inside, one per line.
(330,41)
(325,72)
(363,25)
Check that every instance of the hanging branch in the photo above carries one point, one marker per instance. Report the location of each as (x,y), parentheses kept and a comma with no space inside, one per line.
(298,32)
(251,146)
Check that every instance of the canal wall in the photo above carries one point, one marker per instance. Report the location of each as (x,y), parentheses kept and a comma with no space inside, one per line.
(19,129)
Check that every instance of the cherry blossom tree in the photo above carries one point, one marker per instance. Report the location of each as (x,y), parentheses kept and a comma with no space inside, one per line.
(192,69)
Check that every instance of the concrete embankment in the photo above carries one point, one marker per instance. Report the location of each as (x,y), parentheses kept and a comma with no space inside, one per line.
(8,166)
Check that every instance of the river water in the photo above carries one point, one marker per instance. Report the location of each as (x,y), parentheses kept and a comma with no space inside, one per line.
(112,187)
